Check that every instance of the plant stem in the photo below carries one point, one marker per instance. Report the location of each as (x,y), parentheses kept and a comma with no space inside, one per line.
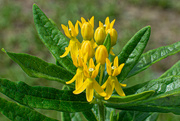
(101,74)
(101,110)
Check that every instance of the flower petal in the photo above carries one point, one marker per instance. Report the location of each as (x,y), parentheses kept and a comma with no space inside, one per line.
(112,24)
(111,52)
(67,49)
(76,27)
(79,78)
(106,83)
(123,85)
(96,71)
(71,26)
(89,92)
(107,21)
(83,87)
(91,63)
(120,68)
(66,30)
(72,80)
(100,24)
(109,91)
(98,88)
(92,21)
(85,70)
(83,20)
(108,66)
(118,88)
(116,62)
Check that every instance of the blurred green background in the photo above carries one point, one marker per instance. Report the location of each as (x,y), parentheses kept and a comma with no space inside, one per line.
(18,33)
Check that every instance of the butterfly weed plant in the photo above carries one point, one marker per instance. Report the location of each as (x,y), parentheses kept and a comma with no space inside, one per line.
(93,76)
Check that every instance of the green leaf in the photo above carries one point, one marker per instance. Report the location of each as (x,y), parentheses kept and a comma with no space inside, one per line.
(131,98)
(132,51)
(35,67)
(54,40)
(107,42)
(174,70)
(18,112)
(44,97)
(166,97)
(133,116)
(89,115)
(65,116)
(154,56)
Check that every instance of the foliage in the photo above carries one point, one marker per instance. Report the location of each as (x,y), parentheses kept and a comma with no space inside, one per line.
(158,95)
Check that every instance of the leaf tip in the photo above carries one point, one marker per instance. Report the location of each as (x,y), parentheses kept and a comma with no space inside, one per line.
(3,50)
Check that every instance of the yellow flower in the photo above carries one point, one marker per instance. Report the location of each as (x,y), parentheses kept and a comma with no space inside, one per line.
(101,54)
(79,76)
(90,83)
(87,28)
(108,25)
(113,35)
(87,47)
(100,35)
(74,44)
(72,32)
(112,81)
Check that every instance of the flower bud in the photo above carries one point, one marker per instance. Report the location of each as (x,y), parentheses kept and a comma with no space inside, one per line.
(87,31)
(101,54)
(100,35)
(87,48)
(113,34)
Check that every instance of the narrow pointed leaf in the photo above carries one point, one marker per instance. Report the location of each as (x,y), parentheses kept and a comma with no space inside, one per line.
(16,112)
(174,70)
(154,56)
(133,116)
(65,116)
(132,51)
(35,67)
(53,39)
(89,115)
(131,98)
(165,99)
(44,97)
(107,42)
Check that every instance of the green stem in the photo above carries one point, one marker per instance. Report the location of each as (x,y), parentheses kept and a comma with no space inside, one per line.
(101,110)
(101,74)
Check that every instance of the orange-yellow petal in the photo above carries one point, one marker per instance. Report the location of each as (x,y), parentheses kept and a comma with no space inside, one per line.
(112,24)
(118,88)
(116,62)
(67,49)
(79,78)
(108,66)
(82,88)
(98,88)
(120,68)
(89,92)
(83,20)
(95,72)
(109,91)
(92,21)
(112,53)
(100,24)
(66,30)
(123,85)
(72,80)
(91,63)
(76,27)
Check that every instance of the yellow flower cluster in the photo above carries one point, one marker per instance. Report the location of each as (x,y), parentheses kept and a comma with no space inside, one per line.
(82,55)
